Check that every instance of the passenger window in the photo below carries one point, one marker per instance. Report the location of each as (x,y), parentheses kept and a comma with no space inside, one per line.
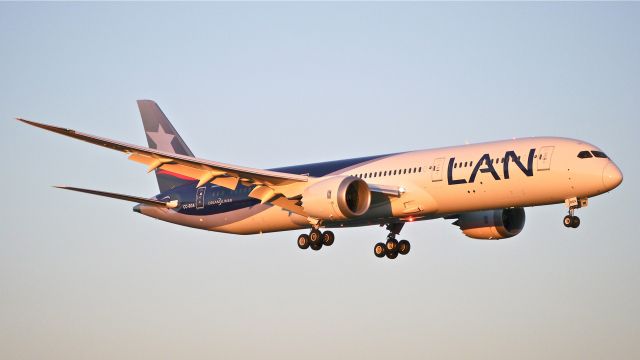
(420,169)
(584,154)
(599,154)
(455,165)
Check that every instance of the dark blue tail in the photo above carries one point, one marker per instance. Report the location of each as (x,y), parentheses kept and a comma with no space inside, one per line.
(161,135)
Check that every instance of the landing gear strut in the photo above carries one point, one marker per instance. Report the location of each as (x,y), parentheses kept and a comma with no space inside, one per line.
(316,239)
(392,247)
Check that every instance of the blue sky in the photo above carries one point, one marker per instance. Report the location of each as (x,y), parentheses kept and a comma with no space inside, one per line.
(273,84)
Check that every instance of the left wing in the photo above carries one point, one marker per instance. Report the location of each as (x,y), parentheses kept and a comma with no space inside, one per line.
(278,188)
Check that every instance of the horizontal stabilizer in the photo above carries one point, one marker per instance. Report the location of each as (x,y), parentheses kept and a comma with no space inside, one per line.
(137,199)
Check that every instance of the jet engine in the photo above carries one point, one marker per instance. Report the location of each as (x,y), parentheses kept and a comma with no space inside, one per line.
(492,224)
(337,198)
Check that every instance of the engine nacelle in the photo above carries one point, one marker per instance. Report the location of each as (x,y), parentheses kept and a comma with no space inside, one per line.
(492,224)
(337,198)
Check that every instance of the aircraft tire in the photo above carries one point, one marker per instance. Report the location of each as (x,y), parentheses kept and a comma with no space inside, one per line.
(392,254)
(315,237)
(303,241)
(392,245)
(575,222)
(404,247)
(316,247)
(380,250)
(567,221)
(328,238)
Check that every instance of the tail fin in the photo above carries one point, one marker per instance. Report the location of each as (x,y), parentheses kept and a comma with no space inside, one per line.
(161,135)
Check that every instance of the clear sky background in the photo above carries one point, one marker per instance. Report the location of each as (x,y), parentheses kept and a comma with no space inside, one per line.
(266,85)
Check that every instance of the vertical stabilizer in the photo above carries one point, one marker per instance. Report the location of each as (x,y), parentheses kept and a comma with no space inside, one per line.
(161,135)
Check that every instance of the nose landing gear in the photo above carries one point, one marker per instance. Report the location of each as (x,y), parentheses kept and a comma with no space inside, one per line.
(572,221)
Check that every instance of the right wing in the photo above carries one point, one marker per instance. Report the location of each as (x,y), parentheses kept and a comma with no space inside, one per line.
(205,171)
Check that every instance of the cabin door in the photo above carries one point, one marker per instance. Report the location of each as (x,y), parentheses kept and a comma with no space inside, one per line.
(544,158)
(436,169)
(200,197)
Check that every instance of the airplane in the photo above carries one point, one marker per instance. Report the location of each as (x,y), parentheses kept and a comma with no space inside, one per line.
(483,187)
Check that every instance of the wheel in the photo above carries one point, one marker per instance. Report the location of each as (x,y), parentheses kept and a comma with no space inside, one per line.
(380,250)
(392,254)
(328,238)
(315,237)
(567,221)
(392,245)
(303,241)
(404,247)
(575,222)
(316,247)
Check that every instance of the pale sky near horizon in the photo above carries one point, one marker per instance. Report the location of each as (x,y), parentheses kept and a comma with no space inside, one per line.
(273,84)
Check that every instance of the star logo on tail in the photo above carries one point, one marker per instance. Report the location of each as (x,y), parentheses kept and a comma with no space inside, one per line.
(162,139)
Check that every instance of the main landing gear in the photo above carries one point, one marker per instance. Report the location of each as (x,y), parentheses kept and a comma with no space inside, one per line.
(392,247)
(316,239)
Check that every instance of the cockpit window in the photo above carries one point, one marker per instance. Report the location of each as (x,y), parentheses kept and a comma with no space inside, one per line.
(584,154)
(599,154)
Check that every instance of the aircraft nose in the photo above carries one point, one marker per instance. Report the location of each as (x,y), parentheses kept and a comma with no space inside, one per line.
(611,176)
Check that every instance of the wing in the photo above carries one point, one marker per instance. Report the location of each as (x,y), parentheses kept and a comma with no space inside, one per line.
(205,171)
(271,186)
(278,188)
